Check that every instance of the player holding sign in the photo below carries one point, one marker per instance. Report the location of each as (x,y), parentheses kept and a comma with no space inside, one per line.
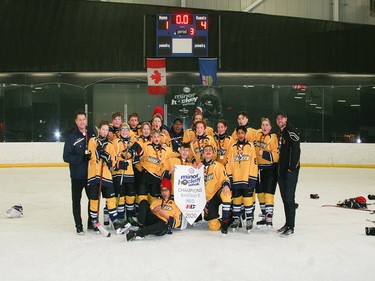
(242,170)
(217,191)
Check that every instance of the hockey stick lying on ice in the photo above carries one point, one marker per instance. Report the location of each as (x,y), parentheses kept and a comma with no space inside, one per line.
(337,206)
(370,221)
(101,228)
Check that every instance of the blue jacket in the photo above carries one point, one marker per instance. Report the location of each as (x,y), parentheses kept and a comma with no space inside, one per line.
(74,150)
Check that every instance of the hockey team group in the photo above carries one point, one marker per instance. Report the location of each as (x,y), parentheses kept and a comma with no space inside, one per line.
(131,166)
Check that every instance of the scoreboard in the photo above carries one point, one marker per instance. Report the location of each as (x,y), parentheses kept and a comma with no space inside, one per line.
(182,35)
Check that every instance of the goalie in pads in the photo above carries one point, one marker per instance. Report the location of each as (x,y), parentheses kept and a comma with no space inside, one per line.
(15,211)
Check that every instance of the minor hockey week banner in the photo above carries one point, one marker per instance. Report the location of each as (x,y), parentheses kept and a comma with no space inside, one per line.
(184,101)
(156,76)
(189,191)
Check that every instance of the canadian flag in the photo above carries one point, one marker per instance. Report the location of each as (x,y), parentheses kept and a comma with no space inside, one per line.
(156,76)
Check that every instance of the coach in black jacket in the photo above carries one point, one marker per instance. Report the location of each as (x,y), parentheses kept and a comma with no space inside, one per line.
(288,169)
(76,154)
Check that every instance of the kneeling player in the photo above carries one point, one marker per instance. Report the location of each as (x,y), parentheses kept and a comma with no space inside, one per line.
(217,191)
(242,170)
(160,218)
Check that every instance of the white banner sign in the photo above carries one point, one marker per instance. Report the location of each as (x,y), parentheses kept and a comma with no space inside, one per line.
(189,191)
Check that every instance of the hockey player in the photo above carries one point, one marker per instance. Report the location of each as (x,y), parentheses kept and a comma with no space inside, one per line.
(223,141)
(133,121)
(156,124)
(152,159)
(99,176)
(189,134)
(288,170)
(143,140)
(158,111)
(123,175)
(201,140)
(160,218)
(243,120)
(176,135)
(266,148)
(242,171)
(115,125)
(76,153)
(183,159)
(218,191)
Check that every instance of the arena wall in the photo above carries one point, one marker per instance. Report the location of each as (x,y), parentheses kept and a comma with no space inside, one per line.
(313,155)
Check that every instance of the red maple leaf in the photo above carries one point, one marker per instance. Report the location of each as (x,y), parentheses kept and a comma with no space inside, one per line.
(156,76)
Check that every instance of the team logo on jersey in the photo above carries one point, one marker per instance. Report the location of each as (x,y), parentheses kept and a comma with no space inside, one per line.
(208,177)
(260,144)
(153,160)
(240,158)
(167,207)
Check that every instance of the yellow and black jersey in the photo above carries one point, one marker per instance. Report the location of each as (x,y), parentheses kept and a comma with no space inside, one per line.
(153,158)
(269,145)
(242,167)
(215,178)
(199,144)
(96,164)
(169,163)
(143,142)
(250,135)
(134,132)
(171,209)
(223,144)
(189,134)
(165,139)
(124,153)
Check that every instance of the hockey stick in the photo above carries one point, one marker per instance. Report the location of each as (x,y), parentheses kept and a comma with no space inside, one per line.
(337,206)
(102,230)
(370,221)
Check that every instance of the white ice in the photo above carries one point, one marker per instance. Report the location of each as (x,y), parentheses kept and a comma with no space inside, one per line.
(329,243)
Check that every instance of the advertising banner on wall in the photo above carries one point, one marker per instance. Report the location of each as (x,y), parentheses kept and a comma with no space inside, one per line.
(189,191)
(184,101)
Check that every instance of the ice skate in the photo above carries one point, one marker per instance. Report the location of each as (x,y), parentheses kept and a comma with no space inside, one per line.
(132,235)
(262,224)
(269,220)
(121,226)
(249,225)
(235,223)
(224,227)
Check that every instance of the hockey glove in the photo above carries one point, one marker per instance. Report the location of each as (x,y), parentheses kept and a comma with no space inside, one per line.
(87,156)
(122,165)
(105,156)
(137,148)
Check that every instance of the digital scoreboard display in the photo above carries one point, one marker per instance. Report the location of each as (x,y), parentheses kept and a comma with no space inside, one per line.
(181,35)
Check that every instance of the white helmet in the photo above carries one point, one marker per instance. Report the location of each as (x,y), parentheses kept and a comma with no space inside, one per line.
(14,212)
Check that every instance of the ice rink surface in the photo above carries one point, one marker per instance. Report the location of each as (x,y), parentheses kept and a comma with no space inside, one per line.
(329,243)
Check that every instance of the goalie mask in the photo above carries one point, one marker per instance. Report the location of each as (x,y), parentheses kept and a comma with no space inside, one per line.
(14,212)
